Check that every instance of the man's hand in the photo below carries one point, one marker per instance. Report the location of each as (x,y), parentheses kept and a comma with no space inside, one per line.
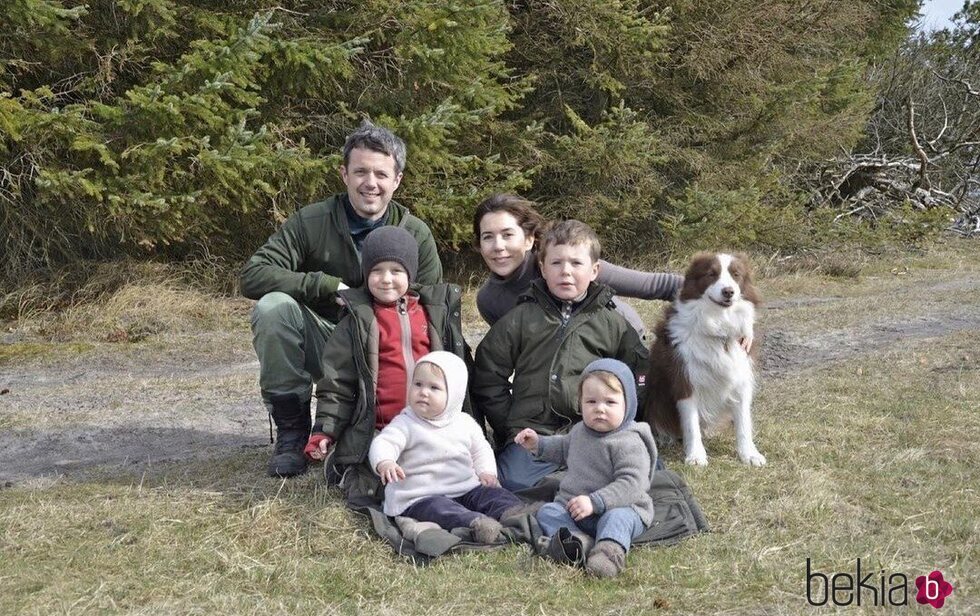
(340,300)
(488,480)
(528,439)
(579,507)
(318,445)
(390,472)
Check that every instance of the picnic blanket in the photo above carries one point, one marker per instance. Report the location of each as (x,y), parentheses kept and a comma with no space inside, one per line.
(677,516)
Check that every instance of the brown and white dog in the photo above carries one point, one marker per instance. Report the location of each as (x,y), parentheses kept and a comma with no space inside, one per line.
(701,376)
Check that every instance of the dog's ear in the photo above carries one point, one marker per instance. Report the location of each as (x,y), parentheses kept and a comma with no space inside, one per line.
(698,263)
(749,291)
(692,287)
(746,264)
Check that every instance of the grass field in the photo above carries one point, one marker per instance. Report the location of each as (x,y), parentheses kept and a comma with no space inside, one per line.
(867,413)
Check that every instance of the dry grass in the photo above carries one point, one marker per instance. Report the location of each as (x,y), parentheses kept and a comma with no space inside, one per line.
(124,301)
(866,460)
(875,457)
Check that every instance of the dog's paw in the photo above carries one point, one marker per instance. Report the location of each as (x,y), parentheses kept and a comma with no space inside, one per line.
(752,457)
(697,458)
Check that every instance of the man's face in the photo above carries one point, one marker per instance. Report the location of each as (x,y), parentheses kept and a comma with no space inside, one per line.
(568,269)
(371,180)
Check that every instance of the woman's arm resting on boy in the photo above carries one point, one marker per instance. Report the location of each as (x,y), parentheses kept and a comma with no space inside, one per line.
(641,285)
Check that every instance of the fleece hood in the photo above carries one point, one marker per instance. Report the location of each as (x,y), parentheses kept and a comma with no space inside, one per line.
(454,369)
(625,376)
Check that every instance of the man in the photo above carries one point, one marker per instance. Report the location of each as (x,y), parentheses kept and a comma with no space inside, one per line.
(297,273)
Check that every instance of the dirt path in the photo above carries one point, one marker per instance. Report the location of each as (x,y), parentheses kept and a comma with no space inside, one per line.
(133,406)
(931,310)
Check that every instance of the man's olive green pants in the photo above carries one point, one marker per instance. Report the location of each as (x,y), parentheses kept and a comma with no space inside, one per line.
(289,340)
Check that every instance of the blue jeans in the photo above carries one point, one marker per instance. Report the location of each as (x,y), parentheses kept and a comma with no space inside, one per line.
(518,469)
(621,524)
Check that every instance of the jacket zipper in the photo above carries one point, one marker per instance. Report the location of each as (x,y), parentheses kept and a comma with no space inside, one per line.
(406,334)
(553,375)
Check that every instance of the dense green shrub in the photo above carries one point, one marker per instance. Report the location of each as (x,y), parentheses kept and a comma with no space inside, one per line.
(159,127)
(166,127)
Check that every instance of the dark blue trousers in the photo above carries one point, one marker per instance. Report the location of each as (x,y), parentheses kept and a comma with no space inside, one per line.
(452,513)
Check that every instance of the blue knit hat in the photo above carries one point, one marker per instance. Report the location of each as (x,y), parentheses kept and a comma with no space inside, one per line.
(625,376)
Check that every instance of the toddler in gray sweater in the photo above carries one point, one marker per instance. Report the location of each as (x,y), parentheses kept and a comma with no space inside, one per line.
(610,459)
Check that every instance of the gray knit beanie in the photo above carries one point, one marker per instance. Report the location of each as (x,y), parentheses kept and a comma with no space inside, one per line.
(625,376)
(390,244)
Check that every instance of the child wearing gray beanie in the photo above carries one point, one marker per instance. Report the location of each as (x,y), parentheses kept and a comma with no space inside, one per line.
(389,324)
(610,458)
(390,244)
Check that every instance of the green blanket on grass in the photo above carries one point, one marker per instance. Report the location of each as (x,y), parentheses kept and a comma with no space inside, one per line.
(677,515)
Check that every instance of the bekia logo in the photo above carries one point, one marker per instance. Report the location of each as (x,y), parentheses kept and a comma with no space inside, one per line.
(933,589)
(877,588)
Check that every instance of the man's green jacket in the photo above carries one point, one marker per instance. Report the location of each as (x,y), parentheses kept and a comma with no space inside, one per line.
(313,252)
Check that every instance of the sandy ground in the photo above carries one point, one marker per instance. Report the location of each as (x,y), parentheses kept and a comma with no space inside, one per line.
(130,407)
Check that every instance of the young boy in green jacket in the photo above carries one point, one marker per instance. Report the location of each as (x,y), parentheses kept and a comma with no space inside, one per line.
(563,323)
(390,323)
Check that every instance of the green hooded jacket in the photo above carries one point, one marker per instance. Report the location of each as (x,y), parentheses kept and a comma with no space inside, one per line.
(546,354)
(313,252)
(345,407)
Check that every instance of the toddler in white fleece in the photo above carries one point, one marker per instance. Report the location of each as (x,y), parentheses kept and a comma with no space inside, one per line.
(435,461)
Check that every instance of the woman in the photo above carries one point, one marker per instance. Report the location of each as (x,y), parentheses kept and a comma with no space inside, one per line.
(506,228)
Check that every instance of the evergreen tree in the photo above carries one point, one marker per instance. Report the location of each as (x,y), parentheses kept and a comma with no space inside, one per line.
(732,96)
(161,127)
(158,126)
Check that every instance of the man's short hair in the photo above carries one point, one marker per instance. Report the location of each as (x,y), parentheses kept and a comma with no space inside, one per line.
(377,139)
(570,233)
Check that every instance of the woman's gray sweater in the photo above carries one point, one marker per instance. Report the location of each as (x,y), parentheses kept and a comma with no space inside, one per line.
(498,295)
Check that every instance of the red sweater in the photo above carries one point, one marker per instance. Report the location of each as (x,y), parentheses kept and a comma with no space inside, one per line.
(403,338)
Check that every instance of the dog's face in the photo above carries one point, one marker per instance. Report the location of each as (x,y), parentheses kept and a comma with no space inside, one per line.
(719,277)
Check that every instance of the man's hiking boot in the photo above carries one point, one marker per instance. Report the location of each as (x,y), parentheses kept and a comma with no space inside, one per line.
(292,418)
(606,559)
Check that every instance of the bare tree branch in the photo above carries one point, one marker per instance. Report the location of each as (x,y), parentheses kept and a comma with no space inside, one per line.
(923,158)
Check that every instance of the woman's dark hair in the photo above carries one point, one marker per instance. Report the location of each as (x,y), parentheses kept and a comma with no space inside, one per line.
(520,208)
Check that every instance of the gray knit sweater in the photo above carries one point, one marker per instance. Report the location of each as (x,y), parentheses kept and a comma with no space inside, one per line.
(614,469)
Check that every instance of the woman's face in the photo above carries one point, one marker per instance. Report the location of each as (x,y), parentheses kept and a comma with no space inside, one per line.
(503,242)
